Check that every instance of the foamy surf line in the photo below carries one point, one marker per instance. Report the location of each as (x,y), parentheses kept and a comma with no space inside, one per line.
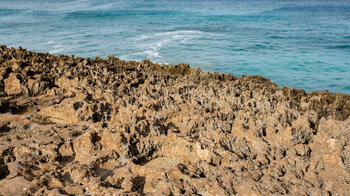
(168,33)
(150,44)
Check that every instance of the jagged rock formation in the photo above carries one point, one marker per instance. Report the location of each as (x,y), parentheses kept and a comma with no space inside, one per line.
(75,126)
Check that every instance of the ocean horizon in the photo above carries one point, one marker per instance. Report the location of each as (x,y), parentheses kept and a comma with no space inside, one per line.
(300,44)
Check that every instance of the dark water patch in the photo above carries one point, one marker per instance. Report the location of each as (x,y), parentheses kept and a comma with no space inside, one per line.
(6,12)
(345,46)
(101,14)
(241,19)
(259,47)
(239,49)
(226,28)
(314,9)
(347,88)
(38,13)
(209,29)
(277,37)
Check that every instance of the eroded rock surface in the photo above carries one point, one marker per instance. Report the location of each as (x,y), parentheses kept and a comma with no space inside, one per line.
(75,126)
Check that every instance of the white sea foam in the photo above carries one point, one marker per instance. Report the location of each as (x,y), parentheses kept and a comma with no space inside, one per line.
(152,43)
(56,50)
(140,55)
(174,34)
(151,53)
(142,37)
(179,32)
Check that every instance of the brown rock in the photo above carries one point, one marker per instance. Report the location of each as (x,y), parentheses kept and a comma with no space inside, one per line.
(12,85)
(15,186)
(66,150)
(110,127)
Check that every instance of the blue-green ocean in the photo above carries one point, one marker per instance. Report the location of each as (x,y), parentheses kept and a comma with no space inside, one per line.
(303,44)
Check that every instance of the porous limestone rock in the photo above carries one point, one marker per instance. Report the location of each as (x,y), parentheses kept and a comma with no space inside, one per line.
(12,85)
(81,126)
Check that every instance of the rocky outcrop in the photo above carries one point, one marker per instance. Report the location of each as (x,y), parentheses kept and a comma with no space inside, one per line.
(75,126)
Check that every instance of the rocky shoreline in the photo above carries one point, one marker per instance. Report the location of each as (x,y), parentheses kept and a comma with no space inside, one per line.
(80,126)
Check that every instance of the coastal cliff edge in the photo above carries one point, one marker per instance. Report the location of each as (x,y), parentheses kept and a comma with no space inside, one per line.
(81,126)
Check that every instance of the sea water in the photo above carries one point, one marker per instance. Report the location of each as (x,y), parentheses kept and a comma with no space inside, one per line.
(303,44)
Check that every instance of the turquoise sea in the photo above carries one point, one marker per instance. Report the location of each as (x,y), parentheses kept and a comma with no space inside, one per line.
(303,44)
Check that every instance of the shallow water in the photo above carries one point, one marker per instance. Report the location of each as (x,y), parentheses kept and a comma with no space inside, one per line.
(302,44)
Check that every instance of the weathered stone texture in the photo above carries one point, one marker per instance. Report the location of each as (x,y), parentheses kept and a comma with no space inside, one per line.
(75,126)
